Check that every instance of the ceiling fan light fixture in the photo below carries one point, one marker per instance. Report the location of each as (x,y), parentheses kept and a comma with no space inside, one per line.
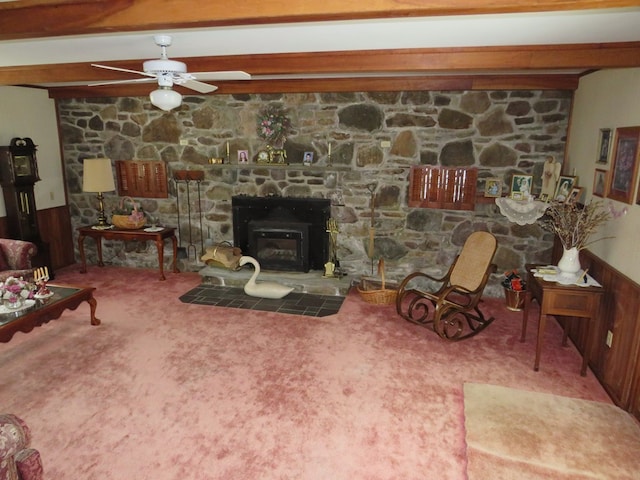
(165,98)
(164,66)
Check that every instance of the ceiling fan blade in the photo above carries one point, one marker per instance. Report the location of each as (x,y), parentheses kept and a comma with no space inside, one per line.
(117,69)
(115,82)
(199,86)
(222,75)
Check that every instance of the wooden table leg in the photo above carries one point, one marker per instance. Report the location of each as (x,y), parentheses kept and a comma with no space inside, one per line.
(525,314)
(99,250)
(174,241)
(83,260)
(160,247)
(565,330)
(587,345)
(93,304)
(541,326)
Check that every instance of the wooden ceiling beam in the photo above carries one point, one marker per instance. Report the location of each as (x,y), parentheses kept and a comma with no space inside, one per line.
(451,61)
(386,84)
(51,18)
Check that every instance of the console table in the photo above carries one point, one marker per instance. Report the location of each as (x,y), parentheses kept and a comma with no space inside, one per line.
(565,300)
(65,297)
(136,235)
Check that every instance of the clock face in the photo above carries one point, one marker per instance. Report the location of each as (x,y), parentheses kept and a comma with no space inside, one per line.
(22,166)
(263,156)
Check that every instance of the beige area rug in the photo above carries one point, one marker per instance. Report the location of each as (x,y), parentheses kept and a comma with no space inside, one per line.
(515,434)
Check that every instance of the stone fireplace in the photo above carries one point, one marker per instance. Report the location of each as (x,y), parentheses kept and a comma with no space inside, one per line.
(282,233)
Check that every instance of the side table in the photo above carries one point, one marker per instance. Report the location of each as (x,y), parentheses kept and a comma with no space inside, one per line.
(137,235)
(565,300)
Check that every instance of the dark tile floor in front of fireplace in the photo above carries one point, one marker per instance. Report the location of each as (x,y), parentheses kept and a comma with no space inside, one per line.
(295,303)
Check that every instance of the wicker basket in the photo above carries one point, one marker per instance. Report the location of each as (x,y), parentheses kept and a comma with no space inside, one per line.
(375,291)
(514,299)
(129,222)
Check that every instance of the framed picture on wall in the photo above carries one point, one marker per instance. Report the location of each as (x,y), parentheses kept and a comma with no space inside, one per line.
(604,146)
(624,167)
(600,182)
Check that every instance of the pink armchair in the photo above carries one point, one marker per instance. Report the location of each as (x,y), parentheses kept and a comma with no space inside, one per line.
(17,460)
(15,258)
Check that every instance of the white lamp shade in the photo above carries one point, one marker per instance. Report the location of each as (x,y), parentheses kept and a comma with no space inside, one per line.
(98,175)
(165,98)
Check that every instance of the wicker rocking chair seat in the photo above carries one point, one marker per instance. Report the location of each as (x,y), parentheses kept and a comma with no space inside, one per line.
(452,309)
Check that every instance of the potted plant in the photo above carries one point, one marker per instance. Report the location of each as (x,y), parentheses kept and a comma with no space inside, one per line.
(514,290)
(574,224)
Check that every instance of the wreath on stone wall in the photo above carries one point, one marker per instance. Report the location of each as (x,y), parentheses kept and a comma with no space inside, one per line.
(274,125)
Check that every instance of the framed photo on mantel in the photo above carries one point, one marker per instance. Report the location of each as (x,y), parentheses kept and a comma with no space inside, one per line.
(493,187)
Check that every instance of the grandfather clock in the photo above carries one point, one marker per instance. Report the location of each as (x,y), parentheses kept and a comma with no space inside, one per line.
(18,174)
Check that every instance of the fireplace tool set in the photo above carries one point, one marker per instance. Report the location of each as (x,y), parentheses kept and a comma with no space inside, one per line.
(189,176)
(372,231)
(332,267)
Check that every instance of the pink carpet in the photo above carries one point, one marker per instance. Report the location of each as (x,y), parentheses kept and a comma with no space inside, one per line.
(163,390)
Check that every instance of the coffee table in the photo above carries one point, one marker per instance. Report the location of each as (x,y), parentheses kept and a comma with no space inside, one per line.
(64,297)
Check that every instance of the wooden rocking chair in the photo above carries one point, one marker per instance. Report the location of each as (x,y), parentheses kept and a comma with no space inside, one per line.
(452,311)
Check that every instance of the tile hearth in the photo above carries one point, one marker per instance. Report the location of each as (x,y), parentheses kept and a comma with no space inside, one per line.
(311,282)
(295,303)
(313,295)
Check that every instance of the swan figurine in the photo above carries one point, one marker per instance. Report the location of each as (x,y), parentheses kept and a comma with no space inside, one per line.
(262,289)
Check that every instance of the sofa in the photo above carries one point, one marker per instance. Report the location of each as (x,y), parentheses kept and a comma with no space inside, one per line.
(15,258)
(17,460)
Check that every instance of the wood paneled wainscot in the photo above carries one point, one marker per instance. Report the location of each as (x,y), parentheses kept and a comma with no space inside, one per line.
(616,366)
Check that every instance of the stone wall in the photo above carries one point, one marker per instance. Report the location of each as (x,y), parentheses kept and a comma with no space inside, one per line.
(375,138)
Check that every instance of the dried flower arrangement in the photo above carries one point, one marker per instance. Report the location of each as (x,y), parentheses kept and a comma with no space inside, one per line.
(273,125)
(574,223)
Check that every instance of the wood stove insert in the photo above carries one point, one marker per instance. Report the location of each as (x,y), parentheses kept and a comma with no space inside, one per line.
(282,233)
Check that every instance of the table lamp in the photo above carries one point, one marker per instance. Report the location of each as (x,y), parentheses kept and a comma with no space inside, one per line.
(98,178)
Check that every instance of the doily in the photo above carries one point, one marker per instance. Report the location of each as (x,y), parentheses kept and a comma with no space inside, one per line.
(522,212)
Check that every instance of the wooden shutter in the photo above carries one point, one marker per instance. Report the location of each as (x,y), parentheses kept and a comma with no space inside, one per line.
(445,188)
(142,178)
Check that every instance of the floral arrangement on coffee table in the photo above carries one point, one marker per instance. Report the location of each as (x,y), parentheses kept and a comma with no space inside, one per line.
(273,125)
(14,291)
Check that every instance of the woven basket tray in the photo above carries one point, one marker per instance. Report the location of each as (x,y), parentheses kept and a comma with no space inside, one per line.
(129,222)
(377,292)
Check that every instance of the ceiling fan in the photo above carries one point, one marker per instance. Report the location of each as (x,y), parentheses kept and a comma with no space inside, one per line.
(169,73)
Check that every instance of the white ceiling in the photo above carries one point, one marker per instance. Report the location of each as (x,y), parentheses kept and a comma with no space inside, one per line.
(616,25)
(543,28)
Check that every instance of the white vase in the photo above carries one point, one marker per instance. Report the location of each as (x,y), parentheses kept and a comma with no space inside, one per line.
(569,264)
